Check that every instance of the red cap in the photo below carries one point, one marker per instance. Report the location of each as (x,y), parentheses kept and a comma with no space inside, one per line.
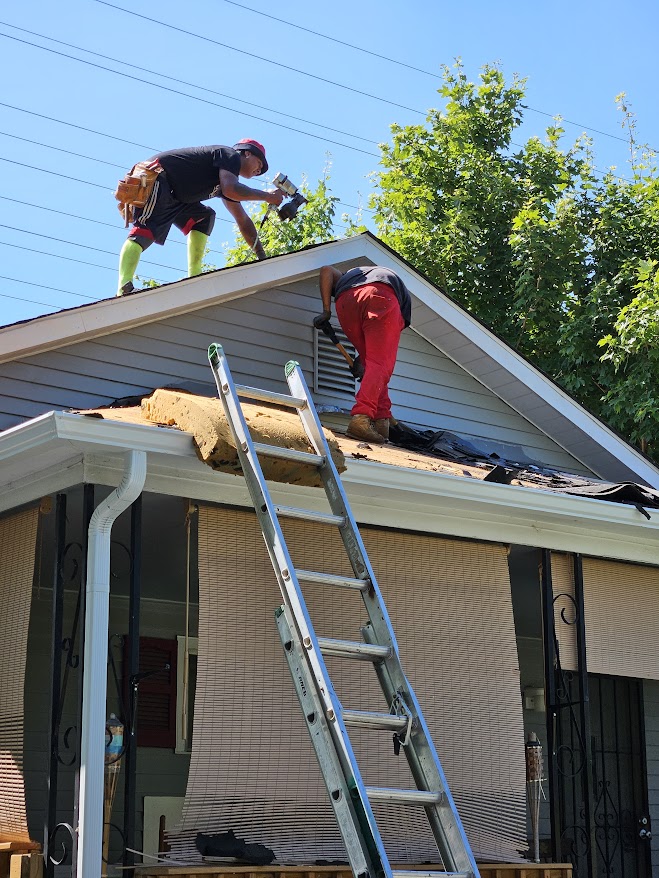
(254,147)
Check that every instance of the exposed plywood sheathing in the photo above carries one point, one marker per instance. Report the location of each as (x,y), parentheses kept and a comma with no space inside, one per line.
(204,418)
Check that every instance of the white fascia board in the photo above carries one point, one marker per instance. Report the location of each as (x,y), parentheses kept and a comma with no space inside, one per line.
(515,365)
(48,480)
(53,331)
(427,502)
(47,454)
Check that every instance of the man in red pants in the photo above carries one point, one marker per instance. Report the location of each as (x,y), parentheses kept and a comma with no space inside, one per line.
(373,306)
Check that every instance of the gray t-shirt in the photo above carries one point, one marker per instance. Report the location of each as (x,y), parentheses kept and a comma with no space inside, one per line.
(376,274)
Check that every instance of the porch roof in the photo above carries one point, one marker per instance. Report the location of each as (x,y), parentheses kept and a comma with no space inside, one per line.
(61,449)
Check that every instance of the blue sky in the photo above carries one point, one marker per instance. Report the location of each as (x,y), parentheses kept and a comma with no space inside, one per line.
(577,56)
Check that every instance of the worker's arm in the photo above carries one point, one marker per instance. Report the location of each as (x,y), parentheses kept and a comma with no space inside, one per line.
(246,226)
(232,188)
(327,281)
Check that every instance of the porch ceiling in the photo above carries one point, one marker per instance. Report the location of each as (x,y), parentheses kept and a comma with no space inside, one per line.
(61,449)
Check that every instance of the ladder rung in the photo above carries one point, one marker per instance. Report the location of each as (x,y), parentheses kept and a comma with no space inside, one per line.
(332,579)
(400,873)
(404,797)
(371,720)
(292,402)
(289,454)
(368,652)
(310,515)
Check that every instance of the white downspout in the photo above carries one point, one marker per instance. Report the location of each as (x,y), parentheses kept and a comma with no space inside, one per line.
(94,684)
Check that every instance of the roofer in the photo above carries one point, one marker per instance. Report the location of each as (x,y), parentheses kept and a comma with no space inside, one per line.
(182,179)
(373,306)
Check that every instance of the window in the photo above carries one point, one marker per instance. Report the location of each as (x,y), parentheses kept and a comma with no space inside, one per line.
(156,693)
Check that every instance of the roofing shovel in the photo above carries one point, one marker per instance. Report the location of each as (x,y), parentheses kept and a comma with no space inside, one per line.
(355,366)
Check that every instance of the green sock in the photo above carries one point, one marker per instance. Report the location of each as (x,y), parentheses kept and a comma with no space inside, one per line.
(128,259)
(196,248)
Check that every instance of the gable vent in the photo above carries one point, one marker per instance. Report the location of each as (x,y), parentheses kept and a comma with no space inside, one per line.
(331,373)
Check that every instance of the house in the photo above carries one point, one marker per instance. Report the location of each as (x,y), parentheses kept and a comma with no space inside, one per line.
(523,601)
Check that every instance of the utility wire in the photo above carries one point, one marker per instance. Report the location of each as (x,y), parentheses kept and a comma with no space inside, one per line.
(45,287)
(85,246)
(31,301)
(231,109)
(150,149)
(186,95)
(88,219)
(67,258)
(59,149)
(185,82)
(181,30)
(316,33)
(53,173)
(405,64)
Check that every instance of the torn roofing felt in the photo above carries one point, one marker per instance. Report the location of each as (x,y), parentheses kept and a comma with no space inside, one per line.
(448,446)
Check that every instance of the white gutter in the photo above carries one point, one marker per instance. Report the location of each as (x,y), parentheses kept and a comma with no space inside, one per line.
(94,685)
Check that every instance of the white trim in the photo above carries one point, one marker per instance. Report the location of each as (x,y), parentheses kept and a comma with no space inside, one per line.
(388,496)
(87,322)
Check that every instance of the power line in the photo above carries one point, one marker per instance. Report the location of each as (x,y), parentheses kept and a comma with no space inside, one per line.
(67,258)
(31,301)
(53,173)
(181,30)
(316,33)
(185,82)
(88,219)
(186,95)
(85,246)
(404,64)
(150,149)
(59,149)
(45,287)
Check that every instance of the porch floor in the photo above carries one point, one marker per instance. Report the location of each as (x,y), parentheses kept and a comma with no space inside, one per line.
(487,870)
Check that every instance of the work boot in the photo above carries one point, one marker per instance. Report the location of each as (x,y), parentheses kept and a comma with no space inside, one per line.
(382,426)
(126,288)
(362,427)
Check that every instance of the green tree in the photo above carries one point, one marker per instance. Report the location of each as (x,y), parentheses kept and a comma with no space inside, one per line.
(529,239)
(314,224)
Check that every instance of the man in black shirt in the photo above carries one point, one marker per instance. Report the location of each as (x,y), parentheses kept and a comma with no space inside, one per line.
(373,306)
(186,177)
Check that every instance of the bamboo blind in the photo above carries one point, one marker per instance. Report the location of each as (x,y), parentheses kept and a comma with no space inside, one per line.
(565,612)
(17,544)
(253,768)
(621,610)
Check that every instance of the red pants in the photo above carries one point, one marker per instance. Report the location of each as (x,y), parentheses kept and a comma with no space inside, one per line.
(370,317)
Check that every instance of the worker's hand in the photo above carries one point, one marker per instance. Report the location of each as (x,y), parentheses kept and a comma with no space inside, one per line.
(320,320)
(357,369)
(275,197)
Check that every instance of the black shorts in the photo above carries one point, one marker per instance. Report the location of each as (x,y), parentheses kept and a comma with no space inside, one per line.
(163,210)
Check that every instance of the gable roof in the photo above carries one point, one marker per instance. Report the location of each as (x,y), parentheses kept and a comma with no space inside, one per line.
(435,317)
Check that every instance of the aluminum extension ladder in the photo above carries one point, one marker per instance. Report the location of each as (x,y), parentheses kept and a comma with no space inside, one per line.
(326,719)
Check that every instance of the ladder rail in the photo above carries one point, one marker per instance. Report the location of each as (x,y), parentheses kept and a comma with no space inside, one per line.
(289,585)
(425,765)
(379,644)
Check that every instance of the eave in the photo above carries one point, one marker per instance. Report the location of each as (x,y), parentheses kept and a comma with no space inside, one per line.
(59,450)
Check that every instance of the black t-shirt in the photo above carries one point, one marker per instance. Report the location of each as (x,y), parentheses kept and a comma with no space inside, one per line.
(376,274)
(194,172)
